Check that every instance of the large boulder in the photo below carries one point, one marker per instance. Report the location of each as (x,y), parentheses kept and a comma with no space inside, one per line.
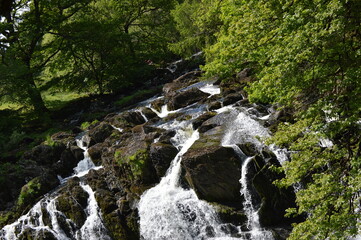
(64,167)
(99,133)
(212,170)
(271,200)
(36,188)
(185,98)
(183,81)
(45,154)
(162,155)
(95,153)
(72,201)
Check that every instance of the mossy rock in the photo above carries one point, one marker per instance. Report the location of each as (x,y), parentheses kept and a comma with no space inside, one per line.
(35,188)
(229,214)
(138,165)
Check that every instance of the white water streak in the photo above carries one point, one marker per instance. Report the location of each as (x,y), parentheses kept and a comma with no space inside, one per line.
(93,228)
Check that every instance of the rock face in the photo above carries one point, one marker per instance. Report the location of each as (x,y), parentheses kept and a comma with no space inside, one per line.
(213,172)
(274,201)
(185,98)
(162,154)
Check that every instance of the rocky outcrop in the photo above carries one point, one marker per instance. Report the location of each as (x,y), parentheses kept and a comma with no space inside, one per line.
(99,133)
(274,201)
(185,98)
(72,202)
(213,171)
(161,155)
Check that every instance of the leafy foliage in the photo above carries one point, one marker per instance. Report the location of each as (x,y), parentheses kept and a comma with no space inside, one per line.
(306,55)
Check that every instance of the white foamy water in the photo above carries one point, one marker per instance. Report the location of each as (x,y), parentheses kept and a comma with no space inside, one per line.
(167,211)
(86,164)
(93,228)
(210,89)
(34,219)
(253,224)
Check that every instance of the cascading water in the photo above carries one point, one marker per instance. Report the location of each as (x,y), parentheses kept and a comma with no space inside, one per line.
(34,222)
(167,211)
(93,228)
(241,130)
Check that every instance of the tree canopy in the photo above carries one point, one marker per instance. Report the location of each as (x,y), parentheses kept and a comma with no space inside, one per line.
(89,45)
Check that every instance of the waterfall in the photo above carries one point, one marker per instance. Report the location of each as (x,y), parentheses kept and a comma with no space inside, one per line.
(241,129)
(167,211)
(93,228)
(34,220)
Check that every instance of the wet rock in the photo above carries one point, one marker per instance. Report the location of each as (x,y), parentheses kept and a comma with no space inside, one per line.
(166,136)
(37,187)
(126,119)
(77,152)
(44,154)
(162,155)
(63,137)
(213,171)
(185,98)
(72,202)
(274,201)
(150,114)
(232,98)
(248,148)
(183,81)
(214,105)
(157,104)
(231,215)
(64,167)
(199,120)
(99,133)
(43,234)
(95,153)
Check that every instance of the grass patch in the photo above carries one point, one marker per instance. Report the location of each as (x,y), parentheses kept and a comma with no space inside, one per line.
(57,100)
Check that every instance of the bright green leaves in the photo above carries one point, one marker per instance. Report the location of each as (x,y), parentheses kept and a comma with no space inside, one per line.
(197,21)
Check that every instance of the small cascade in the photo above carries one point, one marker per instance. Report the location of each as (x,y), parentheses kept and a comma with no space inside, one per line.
(116,128)
(141,113)
(93,228)
(36,221)
(164,112)
(210,89)
(167,211)
(85,165)
(253,224)
(241,129)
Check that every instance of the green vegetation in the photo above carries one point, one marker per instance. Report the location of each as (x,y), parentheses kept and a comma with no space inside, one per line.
(136,162)
(86,125)
(29,192)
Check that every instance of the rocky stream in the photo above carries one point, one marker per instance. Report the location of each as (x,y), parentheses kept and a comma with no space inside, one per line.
(190,163)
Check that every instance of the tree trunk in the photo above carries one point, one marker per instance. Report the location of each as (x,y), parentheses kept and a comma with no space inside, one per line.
(35,97)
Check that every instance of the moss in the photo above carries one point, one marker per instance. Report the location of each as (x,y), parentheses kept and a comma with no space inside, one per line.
(4,218)
(86,125)
(29,192)
(136,161)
